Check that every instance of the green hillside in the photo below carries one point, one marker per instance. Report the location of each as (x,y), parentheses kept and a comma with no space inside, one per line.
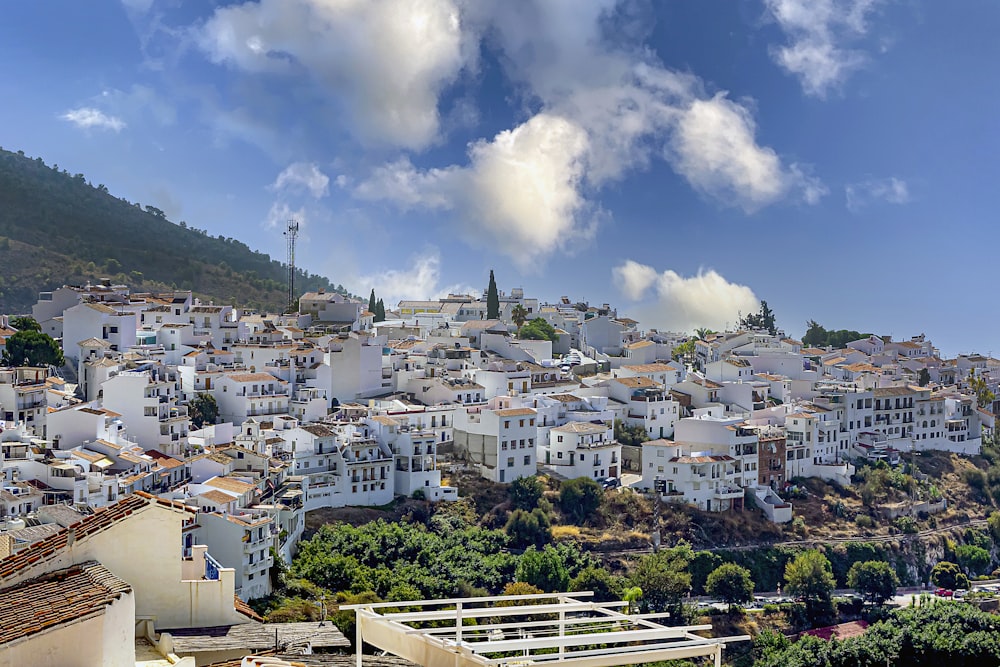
(57,228)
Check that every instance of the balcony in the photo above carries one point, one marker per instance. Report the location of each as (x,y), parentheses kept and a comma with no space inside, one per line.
(727,492)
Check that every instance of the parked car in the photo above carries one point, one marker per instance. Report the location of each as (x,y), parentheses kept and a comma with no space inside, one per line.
(960,593)
(943,593)
(611,483)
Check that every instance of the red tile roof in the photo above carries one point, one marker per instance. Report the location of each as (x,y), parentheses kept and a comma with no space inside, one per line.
(245,609)
(56,598)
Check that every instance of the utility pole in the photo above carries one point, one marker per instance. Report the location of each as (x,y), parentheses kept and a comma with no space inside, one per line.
(291,234)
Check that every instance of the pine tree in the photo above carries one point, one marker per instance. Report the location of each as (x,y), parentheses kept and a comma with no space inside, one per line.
(379,311)
(492,300)
(371,302)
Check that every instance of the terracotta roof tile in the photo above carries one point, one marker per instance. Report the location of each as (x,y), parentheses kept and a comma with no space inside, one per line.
(58,597)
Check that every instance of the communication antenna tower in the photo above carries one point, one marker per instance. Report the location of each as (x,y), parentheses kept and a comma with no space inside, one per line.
(291,233)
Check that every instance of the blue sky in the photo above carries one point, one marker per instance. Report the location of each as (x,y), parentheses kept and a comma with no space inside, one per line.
(680,159)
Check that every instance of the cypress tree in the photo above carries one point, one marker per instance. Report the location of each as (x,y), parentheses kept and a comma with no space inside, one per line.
(371,302)
(492,300)
(380,311)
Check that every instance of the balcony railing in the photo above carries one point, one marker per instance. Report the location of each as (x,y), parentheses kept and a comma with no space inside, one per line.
(212,568)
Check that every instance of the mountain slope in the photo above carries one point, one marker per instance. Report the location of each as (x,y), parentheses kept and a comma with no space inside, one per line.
(56,228)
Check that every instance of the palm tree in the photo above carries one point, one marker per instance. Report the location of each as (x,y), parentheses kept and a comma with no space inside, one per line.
(702,333)
(519,315)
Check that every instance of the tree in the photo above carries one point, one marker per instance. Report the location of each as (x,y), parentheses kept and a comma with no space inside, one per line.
(32,348)
(203,410)
(526,528)
(630,435)
(538,329)
(874,580)
(25,323)
(685,349)
(702,333)
(372,304)
(579,498)
(973,559)
(545,569)
(664,579)
(606,587)
(949,575)
(492,299)
(379,311)
(979,386)
(525,492)
(519,314)
(924,377)
(810,576)
(730,583)
(763,319)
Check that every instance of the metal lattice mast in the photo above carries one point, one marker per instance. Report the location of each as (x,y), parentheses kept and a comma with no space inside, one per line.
(290,235)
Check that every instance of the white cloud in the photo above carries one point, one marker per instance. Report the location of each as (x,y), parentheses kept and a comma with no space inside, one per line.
(519,193)
(280,213)
(384,62)
(89,117)
(633,279)
(681,303)
(891,190)
(715,150)
(303,175)
(419,281)
(816,31)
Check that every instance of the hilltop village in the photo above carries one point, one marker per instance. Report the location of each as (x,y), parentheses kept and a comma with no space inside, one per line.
(201,435)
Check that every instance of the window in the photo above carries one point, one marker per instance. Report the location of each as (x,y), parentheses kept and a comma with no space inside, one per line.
(531,422)
(506,423)
(510,461)
(527,459)
(559,438)
(521,424)
(559,455)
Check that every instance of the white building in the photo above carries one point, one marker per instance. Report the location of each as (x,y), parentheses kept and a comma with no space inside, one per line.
(583,449)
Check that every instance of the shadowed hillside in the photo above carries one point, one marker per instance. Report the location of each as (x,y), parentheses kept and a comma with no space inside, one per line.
(56,228)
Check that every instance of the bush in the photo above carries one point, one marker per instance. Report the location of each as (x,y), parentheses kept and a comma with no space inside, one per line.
(579,498)
(863,521)
(906,524)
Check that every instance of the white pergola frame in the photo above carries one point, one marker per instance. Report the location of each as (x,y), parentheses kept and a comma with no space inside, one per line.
(561,628)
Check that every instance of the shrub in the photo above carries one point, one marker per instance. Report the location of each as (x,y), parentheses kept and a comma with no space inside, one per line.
(863,521)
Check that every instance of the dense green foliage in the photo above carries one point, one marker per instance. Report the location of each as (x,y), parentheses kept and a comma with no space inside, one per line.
(685,349)
(810,576)
(25,324)
(526,528)
(381,557)
(525,492)
(579,498)
(949,575)
(762,319)
(203,410)
(32,348)
(519,315)
(817,336)
(544,568)
(875,580)
(730,583)
(664,579)
(958,635)
(492,299)
(538,329)
(632,435)
(605,586)
(75,232)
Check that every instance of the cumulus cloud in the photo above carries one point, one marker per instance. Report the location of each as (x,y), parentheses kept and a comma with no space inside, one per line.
(303,176)
(383,62)
(681,303)
(519,192)
(817,31)
(891,190)
(92,118)
(715,150)
(419,281)
(634,279)
(606,108)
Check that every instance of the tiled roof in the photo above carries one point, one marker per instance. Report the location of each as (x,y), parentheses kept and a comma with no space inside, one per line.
(516,412)
(101,519)
(245,609)
(636,382)
(581,427)
(229,484)
(217,497)
(254,377)
(58,597)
